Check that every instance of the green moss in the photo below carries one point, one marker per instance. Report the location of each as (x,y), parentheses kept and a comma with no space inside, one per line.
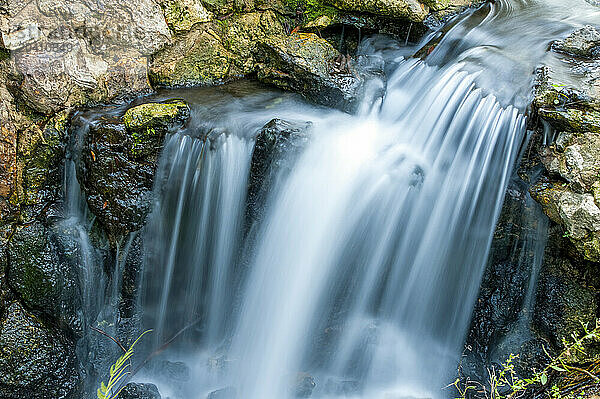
(181,15)
(312,9)
(573,119)
(4,54)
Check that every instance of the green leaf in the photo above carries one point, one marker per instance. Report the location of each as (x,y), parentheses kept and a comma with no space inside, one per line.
(558,368)
(544,379)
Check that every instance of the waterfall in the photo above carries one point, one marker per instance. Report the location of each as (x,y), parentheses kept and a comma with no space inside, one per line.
(360,275)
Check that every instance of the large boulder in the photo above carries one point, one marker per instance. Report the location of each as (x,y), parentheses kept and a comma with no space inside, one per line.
(305,63)
(43,269)
(119,161)
(584,42)
(278,143)
(68,53)
(215,51)
(35,361)
(139,391)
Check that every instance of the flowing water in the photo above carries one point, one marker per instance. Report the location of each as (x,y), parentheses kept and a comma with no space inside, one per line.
(360,275)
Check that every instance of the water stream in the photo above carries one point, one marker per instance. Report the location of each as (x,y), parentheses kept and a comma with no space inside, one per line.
(360,276)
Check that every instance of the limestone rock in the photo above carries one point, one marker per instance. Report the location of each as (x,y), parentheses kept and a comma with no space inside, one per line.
(305,63)
(68,53)
(35,362)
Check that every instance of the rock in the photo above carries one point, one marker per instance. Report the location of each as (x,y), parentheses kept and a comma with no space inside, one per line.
(277,144)
(225,393)
(342,387)
(69,53)
(119,161)
(303,385)
(170,371)
(215,52)
(564,301)
(148,124)
(139,391)
(35,362)
(307,64)
(584,42)
(181,15)
(402,9)
(578,213)
(43,269)
(575,158)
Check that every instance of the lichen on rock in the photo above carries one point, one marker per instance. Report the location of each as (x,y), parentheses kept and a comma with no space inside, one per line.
(401,9)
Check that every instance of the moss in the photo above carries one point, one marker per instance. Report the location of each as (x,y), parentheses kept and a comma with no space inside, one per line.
(147,123)
(4,54)
(573,119)
(312,9)
(181,15)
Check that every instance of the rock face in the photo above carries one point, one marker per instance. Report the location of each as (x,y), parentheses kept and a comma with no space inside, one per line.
(305,63)
(119,160)
(36,363)
(68,53)
(404,9)
(570,193)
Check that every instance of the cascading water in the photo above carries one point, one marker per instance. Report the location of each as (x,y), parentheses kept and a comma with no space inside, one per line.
(363,269)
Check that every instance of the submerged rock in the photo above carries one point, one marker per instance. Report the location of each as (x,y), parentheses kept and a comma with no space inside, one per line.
(277,144)
(139,391)
(309,65)
(303,385)
(35,362)
(225,393)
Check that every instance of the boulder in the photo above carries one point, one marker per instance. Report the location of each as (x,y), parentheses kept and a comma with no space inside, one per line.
(309,65)
(139,391)
(278,143)
(181,15)
(43,269)
(119,160)
(36,362)
(584,42)
(411,10)
(215,51)
(148,123)
(69,53)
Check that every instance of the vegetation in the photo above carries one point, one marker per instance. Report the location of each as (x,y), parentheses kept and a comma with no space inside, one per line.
(571,374)
(118,373)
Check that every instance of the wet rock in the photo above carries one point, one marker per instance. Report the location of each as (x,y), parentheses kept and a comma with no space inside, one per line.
(584,42)
(68,53)
(215,51)
(139,391)
(148,124)
(172,371)
(277,144)
(403,9)
(307,64)
(225,393)
(119,161)
(303,385)
(564,300)
(43,269)
(35,362)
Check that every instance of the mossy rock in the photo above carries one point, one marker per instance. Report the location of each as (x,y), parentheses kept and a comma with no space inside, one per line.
(36,362)
(148,123)
(313,10)
(43,270)
(410,10)
(181,15)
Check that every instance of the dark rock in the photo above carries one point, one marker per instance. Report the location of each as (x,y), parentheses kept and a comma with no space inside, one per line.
(277,144)
(309,65)
(43,269)
(225,393)
(139,391)
(172,371)
(119,164)
(303,385)
(36,362)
